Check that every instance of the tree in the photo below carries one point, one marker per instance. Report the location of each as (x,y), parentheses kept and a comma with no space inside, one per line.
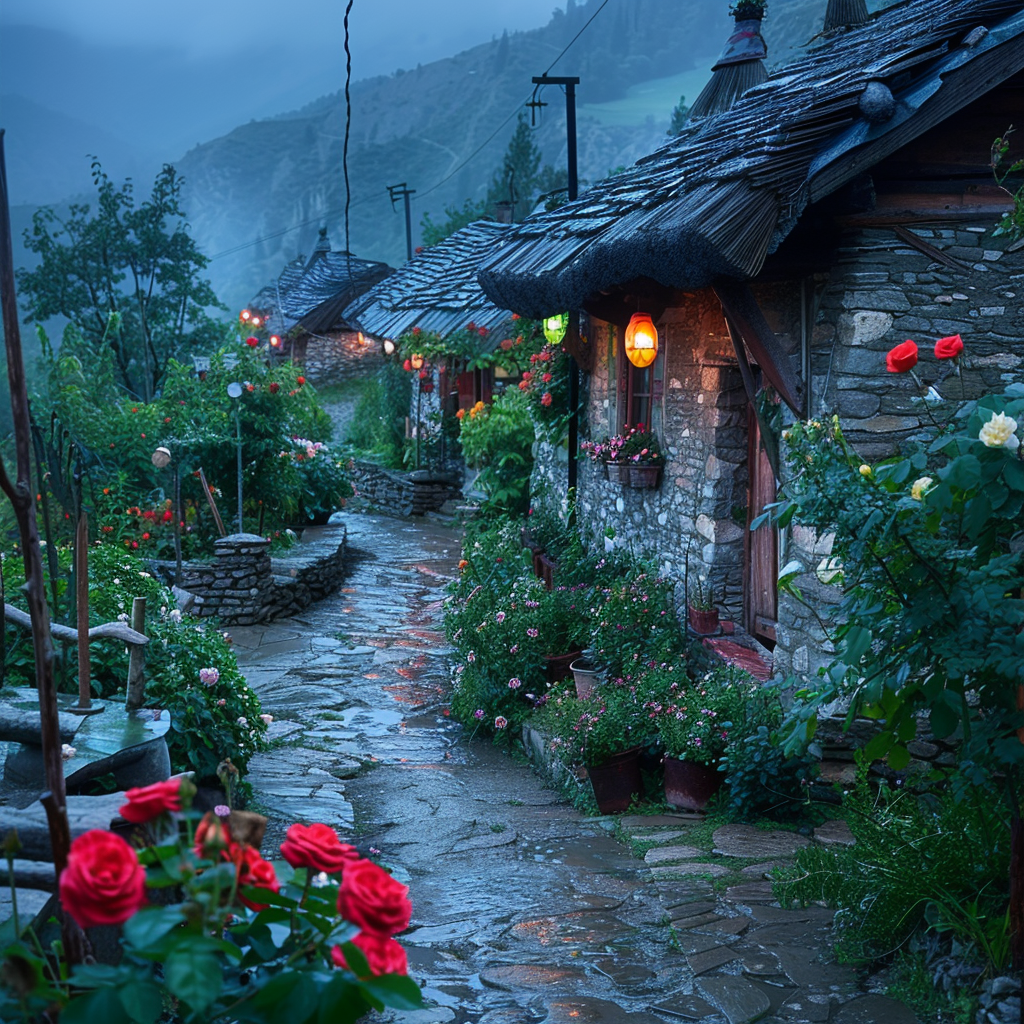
(128,277)
(680,115)
(456,218)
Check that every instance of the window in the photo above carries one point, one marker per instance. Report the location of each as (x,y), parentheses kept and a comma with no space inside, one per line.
(640,391)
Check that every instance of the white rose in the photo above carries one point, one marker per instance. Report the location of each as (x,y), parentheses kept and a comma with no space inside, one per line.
(1000,432)
(920,487)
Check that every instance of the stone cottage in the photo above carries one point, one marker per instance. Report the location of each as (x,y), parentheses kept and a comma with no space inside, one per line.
(304,309)
(843,205)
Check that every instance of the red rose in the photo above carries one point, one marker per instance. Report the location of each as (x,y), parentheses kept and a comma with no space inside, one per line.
(104,883)
(902,358)
(150,802)
(407,366)
(949,348)
(168,516)
(383,955)
(316,847)
(483,332)
(300,380)
(417,331)
(253,871)
(545,399)
(252,342)
(370,898)
(274,387)
(213,837)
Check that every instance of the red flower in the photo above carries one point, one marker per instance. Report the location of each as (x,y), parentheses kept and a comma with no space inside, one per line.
(534,358)
(370,898)
(902,358)
(949,348)
(274,387)
(407,366)
(527,377)
(135,543)
(546,378)
(471,326)
(516,316)
(135,408)
(316,847)
(419,248)
(417,331)
(252,342)
(149,802)
(250,388)
(300,381)
(213,837)
(506,345)
(545,399)
(483,332)
(168,516)
(149,514)
(424,375)
(254,872)
(145,536)
(104,883)
(108,529)
(383,955)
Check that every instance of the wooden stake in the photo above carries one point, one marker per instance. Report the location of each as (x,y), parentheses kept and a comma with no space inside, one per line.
(213,504)
(137,658)
(82,607)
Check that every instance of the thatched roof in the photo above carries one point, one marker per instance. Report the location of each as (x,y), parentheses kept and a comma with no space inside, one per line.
(718,199)
(437,290)
(313,294)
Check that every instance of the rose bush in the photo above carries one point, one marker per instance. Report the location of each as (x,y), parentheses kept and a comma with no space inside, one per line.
(104,883)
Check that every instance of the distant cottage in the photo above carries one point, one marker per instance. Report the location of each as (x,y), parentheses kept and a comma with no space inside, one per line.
(305,309)
(843,205)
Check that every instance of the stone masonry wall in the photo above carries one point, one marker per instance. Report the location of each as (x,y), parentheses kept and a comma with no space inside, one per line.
(880,292)
(404,494)
(340,357)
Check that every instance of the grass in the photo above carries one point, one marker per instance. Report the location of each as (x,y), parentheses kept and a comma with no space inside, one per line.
(913,985)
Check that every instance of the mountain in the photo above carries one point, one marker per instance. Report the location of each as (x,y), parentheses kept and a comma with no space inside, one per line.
(257,195)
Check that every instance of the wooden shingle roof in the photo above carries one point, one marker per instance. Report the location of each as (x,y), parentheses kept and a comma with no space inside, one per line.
(718,199)
(437,290)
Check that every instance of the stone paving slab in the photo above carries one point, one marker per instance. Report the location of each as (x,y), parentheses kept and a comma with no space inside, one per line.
(754,843)
(738,999)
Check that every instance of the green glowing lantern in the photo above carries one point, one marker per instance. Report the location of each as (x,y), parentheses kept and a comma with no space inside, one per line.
(555,328)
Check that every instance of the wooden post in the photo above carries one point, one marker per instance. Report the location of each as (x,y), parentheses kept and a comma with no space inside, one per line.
(137,658)
(82,608)
(213,504)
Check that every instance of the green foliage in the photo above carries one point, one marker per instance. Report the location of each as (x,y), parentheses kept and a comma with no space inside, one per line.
(456,218)
(499,438)
(915,985)
(127,277)
(1008,176)
(932,553)
(377,428)
(204,731)
(930,860)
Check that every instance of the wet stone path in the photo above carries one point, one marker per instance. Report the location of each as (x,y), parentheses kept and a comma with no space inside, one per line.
(524,910)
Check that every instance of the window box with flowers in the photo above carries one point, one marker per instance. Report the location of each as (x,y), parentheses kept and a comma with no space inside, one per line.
(642,454)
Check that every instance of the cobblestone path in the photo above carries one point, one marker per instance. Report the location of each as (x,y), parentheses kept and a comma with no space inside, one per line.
(524,910)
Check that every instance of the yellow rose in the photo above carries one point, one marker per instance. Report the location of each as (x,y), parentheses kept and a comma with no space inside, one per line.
(865,470)
(920,487)
(1000,432)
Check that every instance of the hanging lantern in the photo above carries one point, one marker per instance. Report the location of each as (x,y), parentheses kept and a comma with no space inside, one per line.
(417,361)
(389,347)
(641,340)
(555,328)
(275,341)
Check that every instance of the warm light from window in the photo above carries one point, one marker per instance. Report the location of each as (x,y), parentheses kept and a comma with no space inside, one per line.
(641,340)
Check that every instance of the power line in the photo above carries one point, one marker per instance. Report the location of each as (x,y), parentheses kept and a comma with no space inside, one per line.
(433,188)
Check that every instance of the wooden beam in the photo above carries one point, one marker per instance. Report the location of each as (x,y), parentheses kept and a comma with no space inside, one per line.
(741,308)
(929,250)
(108,631)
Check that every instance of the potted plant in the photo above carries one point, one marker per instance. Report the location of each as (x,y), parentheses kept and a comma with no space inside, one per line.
(596,452)
(701,611)
(563,619)
(615,463)
(694,720)
(587,673)
(642,451)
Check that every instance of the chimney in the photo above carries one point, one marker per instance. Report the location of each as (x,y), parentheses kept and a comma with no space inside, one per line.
(741,65)
(323,247)
(845,14)
(503,212)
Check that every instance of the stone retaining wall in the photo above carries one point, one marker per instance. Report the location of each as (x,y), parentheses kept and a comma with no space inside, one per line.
(404,494)
(243,585)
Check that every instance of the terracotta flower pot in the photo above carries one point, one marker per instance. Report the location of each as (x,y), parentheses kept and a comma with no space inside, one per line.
(691,786)
(703,621)
(617,781)
(618,472)
(587,676)
(644,478)
(558,665)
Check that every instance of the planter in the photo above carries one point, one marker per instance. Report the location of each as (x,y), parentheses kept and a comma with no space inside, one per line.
(547,573)
(703,621)
(644,478)
(617,781)
(587,676)
(689,785)
(558,665)
(618,472)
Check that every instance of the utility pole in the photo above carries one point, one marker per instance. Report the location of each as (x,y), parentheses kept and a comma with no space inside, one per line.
(404,192)
(569,85)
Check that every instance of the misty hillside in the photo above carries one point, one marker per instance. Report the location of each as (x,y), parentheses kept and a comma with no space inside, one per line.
(420,125)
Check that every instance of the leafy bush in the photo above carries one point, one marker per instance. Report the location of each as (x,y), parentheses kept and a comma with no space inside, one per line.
(377,428)
(499,439)
(917,860)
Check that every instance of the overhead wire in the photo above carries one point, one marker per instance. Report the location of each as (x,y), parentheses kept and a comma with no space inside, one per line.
(433,188)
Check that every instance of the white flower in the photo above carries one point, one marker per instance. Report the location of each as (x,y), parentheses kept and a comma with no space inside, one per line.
(1000,432)
(267,719)
(174,615)
(920,487)
(242,721)
(67,751)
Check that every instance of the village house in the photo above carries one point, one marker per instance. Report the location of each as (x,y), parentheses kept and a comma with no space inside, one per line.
(304,310)
(783,245)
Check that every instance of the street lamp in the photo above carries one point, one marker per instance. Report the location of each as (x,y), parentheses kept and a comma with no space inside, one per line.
(235,393)
(162,458)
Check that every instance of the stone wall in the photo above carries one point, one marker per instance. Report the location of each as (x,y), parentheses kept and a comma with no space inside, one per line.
(880,292)
(243,585)
(334,358)
(404,494)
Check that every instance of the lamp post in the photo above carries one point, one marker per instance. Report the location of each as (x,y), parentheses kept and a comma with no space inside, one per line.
(162,458)
(235,393)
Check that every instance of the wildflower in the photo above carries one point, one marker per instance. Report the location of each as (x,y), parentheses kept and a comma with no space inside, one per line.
(500,722)
(546,399)
(252,342)
(267,719)
(300,381)
(221,702)
(920,487)
(471,657)
(514,649)
(174,615)
(242,721)
(478,714)
(865,470)
(1000,432)
(532,632)
(515,683)
(209,676)
(499,618)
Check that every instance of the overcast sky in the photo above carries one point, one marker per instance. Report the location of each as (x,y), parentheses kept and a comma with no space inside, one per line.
(163,76)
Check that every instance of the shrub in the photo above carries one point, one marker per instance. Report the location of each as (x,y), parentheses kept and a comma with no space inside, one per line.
(377,428)
(499,439)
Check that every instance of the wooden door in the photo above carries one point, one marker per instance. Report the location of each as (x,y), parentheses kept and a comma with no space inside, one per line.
(762,547)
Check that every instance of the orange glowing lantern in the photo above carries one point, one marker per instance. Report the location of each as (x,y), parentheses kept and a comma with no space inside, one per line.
(255,321)
(641,341)
(244,315)
(275,341)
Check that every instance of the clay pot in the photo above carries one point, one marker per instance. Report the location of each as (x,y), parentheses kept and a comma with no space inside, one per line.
(703,621)
(617,781)
(689,785)
(587,676)
(558,665)
(644,478)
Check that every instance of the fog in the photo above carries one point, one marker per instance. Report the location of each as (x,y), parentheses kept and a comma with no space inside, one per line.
(141,83)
